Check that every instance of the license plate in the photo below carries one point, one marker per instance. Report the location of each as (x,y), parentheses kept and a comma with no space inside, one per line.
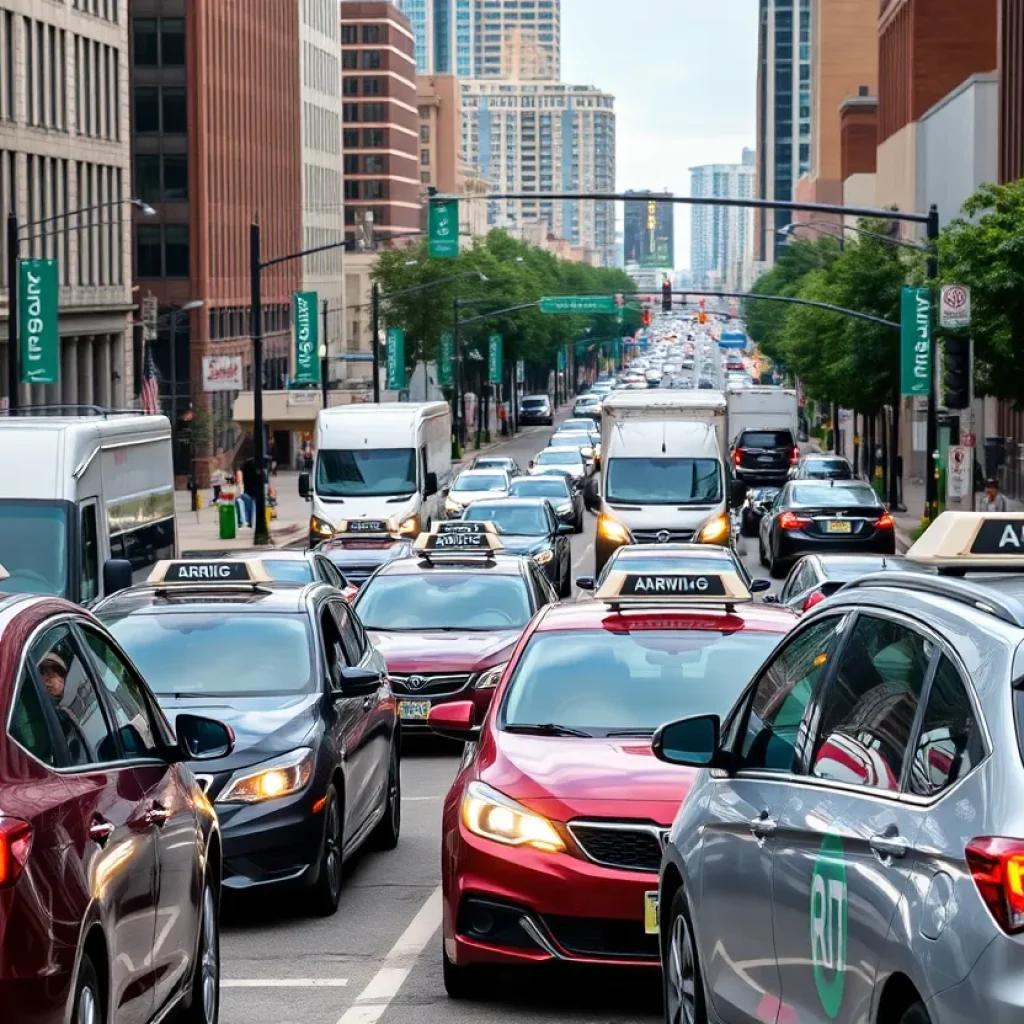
(839,526)
(765,458)
(651,913)
(414,710)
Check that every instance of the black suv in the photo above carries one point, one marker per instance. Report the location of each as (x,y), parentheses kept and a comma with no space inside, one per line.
(764,456)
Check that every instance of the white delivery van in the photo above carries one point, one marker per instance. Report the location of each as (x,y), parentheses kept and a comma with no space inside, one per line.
(386,466)
(664,473)
(86,502)
(763,433)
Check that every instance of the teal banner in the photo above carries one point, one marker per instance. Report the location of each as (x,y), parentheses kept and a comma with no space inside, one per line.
(444,228)
(38,305)
(307,337)
(396,359)
(915,342)
(446,361)
(494,361)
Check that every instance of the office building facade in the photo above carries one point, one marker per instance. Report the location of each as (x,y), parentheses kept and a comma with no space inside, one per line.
(721,253)
(648,232)
(443,31)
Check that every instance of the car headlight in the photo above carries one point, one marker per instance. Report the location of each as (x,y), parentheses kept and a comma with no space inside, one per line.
(715,532)
(410,527)
(451,505)
(322,528)
(611,529)
(564,510)
(543,558)
(282,776)
(492,815)
(488,679)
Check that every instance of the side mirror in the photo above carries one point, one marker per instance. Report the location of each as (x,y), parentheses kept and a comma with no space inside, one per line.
(359,682)
(203,739)
(117,575)
(760,586)
(586,583)
(564,529)
(430,485)
(455,721)
(692,742)
(304,490)
(530,464)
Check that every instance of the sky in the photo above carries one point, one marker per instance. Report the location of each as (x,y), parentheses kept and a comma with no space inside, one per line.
(683,73)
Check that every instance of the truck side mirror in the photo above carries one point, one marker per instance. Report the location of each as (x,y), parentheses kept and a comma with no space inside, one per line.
(737,493)
(117,575)
(430,485)
(304,485)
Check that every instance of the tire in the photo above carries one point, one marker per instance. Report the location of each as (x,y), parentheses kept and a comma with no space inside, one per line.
(461,982)
(916,1014)
(776,569)
(204,1002)
(578,525)
(682,984)
(88,1007)
(325,894)
(385,835)
(761,556)
(565,584)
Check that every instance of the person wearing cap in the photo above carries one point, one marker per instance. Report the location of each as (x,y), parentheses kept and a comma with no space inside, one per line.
(992,500)
(54,671)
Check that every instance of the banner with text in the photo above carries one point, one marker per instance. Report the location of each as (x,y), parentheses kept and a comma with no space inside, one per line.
(494,361)
(916,342)
(446,361)
(38,321)
(307,338)
(396,359)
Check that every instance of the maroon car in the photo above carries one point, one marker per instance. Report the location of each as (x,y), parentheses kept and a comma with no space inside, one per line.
(106,841)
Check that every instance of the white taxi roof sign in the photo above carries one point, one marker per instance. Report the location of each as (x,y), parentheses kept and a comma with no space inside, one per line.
(718,588)
(972,542)
(460,537)
(209,572)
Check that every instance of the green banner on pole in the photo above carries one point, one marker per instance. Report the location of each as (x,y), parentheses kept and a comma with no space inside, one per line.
(396,359)
(916,342)
(579,304)
(561,359)
(446,361)
(307,337)
(494,361)
(38,321)
(444,228)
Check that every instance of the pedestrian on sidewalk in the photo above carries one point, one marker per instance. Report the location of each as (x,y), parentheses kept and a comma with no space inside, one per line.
(992,500)
(217,482)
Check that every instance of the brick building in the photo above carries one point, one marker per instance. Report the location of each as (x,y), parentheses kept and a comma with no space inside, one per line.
(1011,90)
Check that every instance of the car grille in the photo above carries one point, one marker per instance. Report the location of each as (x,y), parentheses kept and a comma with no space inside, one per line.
(633,847)
(427,684)
(602,937)
(662,536)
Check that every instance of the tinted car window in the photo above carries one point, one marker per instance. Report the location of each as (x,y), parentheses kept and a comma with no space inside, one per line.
(559,458)
(523,520)
(480,483)
(288,570)
(30,726)
(869,712)
(827,469)
(766,439)
(540,487)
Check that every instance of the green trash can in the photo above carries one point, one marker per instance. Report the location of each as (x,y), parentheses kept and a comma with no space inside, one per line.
(227,520)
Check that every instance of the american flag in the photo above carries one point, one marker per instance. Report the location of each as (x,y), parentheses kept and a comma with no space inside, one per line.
(149,397)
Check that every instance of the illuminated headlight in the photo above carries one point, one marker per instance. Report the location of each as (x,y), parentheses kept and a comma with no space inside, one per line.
(612,530)
(410,527)
(282,776)
(492,815)
(715,532)
(324,529)
(488,679)
(543,558)
(564,510)
(451,505)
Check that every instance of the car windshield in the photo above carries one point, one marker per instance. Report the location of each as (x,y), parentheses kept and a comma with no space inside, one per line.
(828,469)
(664,481)
(567,438)
(767,439)
(480,483)
(211,653)
(33,548)
(552,458)
(292,570)
(836,496)
(366,473)
(452,601)
(603,682)
(519,520)
(540,487)
(534,402)
(493,464)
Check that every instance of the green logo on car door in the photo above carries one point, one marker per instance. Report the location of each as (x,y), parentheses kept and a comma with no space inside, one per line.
(828,923)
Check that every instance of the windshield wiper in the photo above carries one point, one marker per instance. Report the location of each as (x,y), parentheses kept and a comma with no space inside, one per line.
(548,729)
(630,732)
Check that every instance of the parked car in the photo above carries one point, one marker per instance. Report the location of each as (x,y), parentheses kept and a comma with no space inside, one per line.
(536,409)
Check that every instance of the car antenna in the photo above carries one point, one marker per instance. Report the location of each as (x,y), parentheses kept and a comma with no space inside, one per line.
(664,428)
(832,482)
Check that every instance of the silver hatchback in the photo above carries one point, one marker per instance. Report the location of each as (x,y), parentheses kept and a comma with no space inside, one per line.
(854,849)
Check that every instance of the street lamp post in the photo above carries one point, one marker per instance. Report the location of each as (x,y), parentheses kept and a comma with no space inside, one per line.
(375,339)
(14,230)
(824,226)
(323,360)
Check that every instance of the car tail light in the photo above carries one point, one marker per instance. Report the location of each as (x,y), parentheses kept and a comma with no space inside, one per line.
(885,522)
(794,456)
(15,842)
(997,867)
(814,599)
(737,456)
(791,521)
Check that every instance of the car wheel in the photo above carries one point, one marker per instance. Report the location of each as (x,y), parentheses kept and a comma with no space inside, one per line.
(204,1005)
(681,977)
(88,1008)
(916,1014)
(385,835)
(565,584)
(578,525)
(461,982)
(776,569)
(326,892)
(761,556)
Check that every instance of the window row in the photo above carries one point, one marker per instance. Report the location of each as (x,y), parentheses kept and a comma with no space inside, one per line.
(368,138)
(352,85)
(364,112)
(158,42)
(320,129)
(364,164)
(105,9)
(367,60)
(356,189)
(160,109)
(161,250)
(322,16)
(371,34)
(319,70)
(161,177)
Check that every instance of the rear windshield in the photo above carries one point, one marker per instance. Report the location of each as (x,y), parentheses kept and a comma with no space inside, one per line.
(828,469)
(832,497)
(534,402)
(480,483)
(540,487)
(288,570)
(767,439)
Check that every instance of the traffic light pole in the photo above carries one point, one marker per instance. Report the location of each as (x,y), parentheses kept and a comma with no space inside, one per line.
(931,493)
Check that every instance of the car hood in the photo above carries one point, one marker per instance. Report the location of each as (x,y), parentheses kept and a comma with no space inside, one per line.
(518,544)
(466,651)
(569,777)
(263,726)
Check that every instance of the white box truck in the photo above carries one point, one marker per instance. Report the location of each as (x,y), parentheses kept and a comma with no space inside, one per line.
(664,472)
(385,467)
(763,432)
(86,502)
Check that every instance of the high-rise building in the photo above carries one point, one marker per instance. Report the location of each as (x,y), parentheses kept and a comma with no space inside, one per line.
(1011,90)
(216,141)
(545,137)
(720,246)
(648,232)
(443,31)
(65,145)
(380,121)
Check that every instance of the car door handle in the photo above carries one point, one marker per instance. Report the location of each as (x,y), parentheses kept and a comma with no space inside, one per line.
(889,845)
(763,826)
(100,831)
(157,815)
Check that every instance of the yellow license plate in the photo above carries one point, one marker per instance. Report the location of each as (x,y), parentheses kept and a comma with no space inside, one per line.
(414,710)
(838,526)
(651,913)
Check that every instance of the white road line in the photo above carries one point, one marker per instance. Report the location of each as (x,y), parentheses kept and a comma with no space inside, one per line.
(410,799)
(371,1003)
(283,982)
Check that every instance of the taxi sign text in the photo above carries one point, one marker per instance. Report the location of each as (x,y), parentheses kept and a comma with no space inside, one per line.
(650,584)
(462,529)
(458,541)
(206,572)
(999,537)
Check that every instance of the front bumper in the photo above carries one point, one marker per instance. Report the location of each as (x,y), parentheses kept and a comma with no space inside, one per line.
(756,475)
(508,905)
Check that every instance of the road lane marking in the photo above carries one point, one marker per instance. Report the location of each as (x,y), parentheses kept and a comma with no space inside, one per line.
(371,1003)
(283,982)
(409,799)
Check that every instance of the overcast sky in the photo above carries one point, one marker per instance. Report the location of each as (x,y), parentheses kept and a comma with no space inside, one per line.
(683,73)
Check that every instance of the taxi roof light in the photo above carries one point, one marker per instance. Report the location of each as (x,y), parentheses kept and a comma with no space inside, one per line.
(624,589)
(459,539)
(209,573)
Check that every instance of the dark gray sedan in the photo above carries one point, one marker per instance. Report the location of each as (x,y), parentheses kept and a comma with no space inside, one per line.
(566,500)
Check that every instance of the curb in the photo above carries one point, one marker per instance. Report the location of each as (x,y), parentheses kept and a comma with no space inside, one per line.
(903,541)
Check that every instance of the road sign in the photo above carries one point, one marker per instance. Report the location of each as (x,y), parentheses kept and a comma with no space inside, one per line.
(955,306)
(958,478)
(150,307)
(306,326)
(444,228)
(494,360)
(916,343)
(579,304)
(396,359)
(38,288)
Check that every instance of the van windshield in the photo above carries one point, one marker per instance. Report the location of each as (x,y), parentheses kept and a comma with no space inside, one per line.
(367,473)
(664,481)
(33,548)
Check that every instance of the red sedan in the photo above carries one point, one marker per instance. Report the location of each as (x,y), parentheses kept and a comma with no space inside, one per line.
(553,829)
(106,841)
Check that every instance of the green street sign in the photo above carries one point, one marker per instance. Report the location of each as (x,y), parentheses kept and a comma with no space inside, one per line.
(307,337)
(444,228)
(561,359)
(446,361)
(579,304)
(396,359)
(916,342)
(494,363)
(38,321)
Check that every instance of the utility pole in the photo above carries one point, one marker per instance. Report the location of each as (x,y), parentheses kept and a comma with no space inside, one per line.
(13,342)
(375,340)
(261,535)
(931,495)
(323,360)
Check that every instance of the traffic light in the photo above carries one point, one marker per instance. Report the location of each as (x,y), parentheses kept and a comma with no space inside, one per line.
(666,297)
(958,371)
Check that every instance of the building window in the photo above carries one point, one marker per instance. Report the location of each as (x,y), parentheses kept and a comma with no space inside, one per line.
(371,60)
(373,112)
(147,177)
(373,190)
(147,250)
(349,35)
(172,42)
(373,165)
(424,133)
(176,250)
(145,47)
(373,138)
(350,86)
(351,190)
(175,177)
(351,164)
(350,112)
(372,34)
(350,60)
(424,157)
(147,108)
(425,177)
(350,139)
(371,87)
(175,115)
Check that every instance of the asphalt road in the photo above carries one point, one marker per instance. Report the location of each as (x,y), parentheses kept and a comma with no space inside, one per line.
(379,958)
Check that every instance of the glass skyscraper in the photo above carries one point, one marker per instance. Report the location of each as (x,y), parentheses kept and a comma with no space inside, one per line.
(443,30)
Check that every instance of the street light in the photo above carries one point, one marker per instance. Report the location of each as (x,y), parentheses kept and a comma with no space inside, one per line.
(824,225)
(323,370)
(14,230)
